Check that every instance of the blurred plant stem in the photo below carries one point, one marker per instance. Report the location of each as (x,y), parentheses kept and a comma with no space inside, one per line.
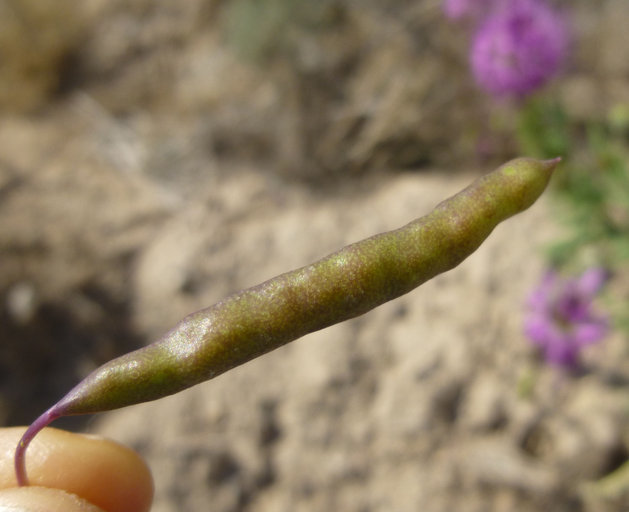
(592,186)
(612,489)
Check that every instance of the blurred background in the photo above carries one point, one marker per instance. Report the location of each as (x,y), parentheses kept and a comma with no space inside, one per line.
(156,156)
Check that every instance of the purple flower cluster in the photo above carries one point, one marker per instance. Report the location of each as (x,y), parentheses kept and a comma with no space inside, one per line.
(518,44)
(561,319)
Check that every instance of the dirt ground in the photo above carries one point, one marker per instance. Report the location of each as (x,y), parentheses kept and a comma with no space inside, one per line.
(157,156)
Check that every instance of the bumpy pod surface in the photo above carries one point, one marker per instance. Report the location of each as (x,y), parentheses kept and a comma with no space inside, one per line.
(343,285)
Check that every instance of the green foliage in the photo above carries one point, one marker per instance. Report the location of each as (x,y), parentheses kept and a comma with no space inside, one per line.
(591,188)
(542,129)
(593,185)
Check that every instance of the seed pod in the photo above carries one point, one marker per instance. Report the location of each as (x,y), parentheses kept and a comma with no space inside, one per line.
(340,286)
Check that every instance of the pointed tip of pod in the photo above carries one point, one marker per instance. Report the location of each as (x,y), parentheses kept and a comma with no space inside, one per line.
(546,167)
(526,179)
(522,164)
(551,163)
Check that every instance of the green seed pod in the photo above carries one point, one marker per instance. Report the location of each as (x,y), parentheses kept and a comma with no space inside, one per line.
(343,285)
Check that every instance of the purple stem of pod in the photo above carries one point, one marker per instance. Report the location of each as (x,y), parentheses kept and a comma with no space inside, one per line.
(56,411)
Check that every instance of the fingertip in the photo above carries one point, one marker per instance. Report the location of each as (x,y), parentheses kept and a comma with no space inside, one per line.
(43,499)
(103,472)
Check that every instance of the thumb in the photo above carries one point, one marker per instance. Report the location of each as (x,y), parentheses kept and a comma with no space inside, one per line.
(43,499)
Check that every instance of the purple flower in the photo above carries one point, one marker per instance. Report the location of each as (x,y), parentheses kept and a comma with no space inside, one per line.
(518,47)
(561,320)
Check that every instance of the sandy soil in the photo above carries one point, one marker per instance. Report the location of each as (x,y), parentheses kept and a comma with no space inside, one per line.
(164,170)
